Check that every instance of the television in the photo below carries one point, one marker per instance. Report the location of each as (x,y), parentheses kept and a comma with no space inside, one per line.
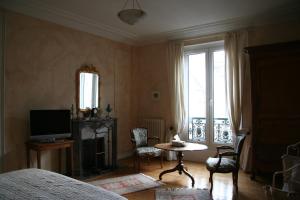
(48,125)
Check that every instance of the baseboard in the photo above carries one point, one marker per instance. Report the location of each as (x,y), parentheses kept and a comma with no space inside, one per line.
(126,154)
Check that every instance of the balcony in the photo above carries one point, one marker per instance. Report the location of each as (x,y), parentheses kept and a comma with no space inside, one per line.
(222,131)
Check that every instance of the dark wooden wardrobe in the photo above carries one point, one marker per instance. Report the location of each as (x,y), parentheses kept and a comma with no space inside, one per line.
(275,82)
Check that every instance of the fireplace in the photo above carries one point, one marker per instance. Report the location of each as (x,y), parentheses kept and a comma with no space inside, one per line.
(95,146)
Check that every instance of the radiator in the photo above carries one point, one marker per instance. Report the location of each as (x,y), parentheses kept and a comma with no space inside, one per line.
(156,127)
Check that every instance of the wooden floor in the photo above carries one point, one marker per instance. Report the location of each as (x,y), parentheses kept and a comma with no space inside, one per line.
(223,188)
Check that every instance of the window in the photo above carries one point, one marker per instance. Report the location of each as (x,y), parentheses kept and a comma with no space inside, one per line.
(205,94)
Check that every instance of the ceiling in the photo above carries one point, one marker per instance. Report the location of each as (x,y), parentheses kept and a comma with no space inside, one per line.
(166,19)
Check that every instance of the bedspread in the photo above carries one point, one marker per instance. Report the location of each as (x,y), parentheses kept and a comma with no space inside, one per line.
(33,184)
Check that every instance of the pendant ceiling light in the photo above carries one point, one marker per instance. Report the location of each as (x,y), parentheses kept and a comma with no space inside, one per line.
(132,14)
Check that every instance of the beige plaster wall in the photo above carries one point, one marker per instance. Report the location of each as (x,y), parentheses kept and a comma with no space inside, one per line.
(151,75)
(40,63)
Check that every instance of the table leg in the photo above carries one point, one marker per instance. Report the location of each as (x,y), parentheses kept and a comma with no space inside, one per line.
(189,175)
(70,160)
(28,157)
(38,154)
(59,160)
(179,167)
(168,171)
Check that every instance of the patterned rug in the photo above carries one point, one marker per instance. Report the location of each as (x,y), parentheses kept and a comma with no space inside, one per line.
(182,194)
(127,184)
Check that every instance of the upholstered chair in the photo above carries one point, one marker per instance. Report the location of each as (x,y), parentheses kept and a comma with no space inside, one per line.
(140,140)
(228,161)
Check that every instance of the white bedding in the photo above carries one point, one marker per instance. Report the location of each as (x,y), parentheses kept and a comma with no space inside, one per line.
(33,184)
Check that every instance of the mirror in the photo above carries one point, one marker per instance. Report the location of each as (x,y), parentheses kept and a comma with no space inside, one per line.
(87,88)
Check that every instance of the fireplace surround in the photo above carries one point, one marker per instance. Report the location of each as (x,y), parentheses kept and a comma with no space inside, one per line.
(95,149)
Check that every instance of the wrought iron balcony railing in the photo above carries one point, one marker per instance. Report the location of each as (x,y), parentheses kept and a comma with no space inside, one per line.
(222,132)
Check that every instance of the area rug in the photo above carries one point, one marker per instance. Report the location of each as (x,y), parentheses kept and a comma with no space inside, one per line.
(182,194)
(127,184)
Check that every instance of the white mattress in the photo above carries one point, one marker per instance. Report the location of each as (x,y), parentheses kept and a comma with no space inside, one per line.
(32,184)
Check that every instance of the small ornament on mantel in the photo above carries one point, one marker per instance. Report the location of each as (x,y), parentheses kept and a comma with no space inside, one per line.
(108,110)
(94,113)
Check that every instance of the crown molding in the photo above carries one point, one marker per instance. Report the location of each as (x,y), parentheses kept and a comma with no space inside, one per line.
(68,19)
(286,13)
(196,31)
(39,10)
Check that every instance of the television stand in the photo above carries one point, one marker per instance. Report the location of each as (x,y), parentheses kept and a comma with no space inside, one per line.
(49,140)
(58,144)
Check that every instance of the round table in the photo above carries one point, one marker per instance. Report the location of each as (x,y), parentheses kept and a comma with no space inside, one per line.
(179,150)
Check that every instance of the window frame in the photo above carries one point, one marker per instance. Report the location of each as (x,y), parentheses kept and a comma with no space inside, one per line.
(208,49)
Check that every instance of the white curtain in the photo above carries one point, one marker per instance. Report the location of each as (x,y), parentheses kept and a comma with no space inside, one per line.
(176,86)
(176,81)
(235,67)
(238,88)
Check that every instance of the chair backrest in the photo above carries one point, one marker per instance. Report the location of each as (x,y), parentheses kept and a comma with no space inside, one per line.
(239,142)
(293,149)
(140,136)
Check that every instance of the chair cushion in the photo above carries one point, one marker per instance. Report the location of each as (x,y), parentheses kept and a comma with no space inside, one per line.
(146,151)
(226,165)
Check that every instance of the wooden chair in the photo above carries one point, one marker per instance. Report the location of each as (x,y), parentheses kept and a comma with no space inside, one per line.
(290,187)
(140,140)
(220,164)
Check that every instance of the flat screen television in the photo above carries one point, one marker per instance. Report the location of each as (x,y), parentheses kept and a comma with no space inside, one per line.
(48,125)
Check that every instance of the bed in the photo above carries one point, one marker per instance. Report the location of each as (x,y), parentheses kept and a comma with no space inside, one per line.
(33,184)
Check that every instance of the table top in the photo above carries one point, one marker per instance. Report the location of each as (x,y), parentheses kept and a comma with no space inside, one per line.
(52,145)
(188,147)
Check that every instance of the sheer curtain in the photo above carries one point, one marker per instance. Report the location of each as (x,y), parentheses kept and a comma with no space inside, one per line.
(176,81)
(238,88)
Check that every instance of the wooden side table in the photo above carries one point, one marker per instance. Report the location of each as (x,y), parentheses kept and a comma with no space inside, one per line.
(59,144)
(179,150)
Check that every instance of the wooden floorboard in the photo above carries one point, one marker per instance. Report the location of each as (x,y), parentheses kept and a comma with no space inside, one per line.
(223,187)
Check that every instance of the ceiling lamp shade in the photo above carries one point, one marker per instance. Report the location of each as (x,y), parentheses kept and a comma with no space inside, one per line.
(131,15)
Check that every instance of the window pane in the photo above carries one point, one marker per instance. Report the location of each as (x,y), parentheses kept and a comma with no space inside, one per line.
(222,132)
(197,96)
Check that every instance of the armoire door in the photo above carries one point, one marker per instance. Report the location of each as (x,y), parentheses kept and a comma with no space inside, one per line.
(275,78)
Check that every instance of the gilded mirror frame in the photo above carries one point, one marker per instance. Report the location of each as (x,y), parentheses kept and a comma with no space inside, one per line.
(87,69)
